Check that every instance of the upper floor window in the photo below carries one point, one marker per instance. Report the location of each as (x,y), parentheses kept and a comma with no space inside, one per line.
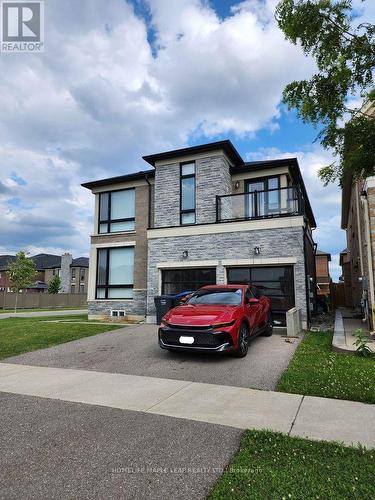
(187,193)
(117,211)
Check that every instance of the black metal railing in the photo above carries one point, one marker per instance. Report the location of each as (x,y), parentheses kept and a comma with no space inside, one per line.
(260,204)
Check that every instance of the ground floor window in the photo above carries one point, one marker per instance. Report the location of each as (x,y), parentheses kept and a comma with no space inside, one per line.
(277,282)
(180,280)
(115,273)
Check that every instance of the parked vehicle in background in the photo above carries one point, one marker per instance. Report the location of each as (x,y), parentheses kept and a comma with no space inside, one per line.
(217,318)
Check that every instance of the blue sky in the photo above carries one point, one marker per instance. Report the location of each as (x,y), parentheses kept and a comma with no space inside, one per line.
(119,80)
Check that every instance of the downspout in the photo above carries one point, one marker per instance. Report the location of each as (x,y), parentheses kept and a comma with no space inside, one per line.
(369,260)
(359,228)
(149,200)
(307,284)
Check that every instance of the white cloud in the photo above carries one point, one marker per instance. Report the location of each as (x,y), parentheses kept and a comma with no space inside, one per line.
(100,96)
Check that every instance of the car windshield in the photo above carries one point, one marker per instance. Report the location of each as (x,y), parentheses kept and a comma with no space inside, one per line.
(227,297)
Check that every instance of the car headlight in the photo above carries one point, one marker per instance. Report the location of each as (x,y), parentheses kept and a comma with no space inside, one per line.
(165,323)
(223,325)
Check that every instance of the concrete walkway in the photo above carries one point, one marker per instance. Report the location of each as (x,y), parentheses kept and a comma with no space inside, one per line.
(36,314)
(345,326)
(238,407)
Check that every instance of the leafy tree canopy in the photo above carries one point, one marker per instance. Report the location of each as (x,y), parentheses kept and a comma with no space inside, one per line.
(345,58)
(55,284)
(21,272)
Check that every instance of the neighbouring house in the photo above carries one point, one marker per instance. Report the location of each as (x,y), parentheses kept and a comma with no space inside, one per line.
(73,272)
(323,278)
(358,259)
(201,215)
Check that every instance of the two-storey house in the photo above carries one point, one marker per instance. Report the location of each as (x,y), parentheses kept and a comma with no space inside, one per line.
(201,216)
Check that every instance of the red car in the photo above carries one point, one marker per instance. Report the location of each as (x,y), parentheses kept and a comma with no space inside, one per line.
(217,318)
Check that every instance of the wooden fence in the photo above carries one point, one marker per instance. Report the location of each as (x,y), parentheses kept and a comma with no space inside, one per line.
(42,300)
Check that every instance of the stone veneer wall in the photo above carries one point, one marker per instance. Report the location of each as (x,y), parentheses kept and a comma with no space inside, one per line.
(133,307)
(212,178)
(284,242)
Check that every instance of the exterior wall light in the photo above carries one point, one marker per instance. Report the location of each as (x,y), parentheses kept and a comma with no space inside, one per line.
(237,185)
(185,254)
(256,250)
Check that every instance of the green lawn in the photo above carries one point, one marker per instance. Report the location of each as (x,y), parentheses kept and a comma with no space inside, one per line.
(316,370)
(19,335)
(275,466)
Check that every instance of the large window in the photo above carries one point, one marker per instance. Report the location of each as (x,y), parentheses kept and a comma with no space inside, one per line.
(187,195)
(264,197)
(115,271)
(275,282)
(182,280)
(117,211)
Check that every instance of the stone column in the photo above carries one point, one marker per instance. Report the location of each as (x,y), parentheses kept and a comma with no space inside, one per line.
(66,260)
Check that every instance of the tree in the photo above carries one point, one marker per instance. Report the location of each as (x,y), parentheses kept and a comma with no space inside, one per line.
(21,274)
(345,58)
(55,284)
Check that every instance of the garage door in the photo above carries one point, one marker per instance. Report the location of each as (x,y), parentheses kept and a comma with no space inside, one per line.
(277,282)
(181,280)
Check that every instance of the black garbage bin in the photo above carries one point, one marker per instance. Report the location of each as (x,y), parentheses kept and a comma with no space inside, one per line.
(163,303)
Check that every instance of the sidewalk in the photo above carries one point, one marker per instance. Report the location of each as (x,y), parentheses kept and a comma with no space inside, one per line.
(55,312)
(238,407)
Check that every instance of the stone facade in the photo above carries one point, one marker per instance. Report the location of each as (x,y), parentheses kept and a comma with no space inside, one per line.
(285,242)
(134,308)
(212,178)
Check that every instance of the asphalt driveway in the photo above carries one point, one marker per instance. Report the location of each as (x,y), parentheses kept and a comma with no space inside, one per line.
(52,449)
(134,350)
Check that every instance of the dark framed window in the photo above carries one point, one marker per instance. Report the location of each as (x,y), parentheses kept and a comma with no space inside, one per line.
(73,274)
(115,273)
(117,211)
(264,197)
(276,282)
(181,280)
(82,273)
(187,193)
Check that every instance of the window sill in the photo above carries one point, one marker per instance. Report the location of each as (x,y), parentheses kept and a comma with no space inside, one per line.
(109,300)
(119,233)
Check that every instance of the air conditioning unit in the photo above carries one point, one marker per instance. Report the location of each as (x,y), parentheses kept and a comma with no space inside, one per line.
(118,313)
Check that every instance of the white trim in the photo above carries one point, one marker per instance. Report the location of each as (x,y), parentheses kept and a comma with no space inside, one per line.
(260,261)
(226,227)
(114,244)
(190,263)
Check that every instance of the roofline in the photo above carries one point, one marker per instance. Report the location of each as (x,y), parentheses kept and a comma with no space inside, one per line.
(119,179)
(226,145)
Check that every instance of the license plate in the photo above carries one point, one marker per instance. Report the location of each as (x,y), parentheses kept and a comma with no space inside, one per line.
(186,340)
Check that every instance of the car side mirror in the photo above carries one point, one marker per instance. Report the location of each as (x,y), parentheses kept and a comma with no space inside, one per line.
(253,301)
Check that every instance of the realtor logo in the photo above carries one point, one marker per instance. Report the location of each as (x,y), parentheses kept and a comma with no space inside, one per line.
(22,26)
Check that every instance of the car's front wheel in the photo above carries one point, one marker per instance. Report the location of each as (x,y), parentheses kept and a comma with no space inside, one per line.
(268,331)
(243,342)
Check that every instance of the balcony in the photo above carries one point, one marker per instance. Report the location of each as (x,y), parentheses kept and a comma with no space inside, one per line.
(283,202)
